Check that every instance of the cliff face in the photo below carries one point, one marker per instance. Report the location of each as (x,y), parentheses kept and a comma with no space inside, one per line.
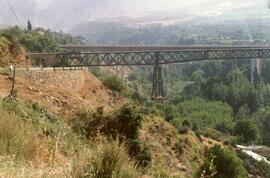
(10,54)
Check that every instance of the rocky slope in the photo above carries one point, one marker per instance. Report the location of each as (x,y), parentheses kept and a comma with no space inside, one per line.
(62,92)
(11,54)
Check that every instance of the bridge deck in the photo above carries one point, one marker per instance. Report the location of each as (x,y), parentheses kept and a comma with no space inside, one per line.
(151,55)
(86,48)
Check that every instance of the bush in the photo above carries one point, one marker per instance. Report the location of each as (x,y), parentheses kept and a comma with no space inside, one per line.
(136,96)
(222,163)
(140,152)
(186,123)
(80,123)
(183,130)
(223,127)
(113,83)
(124,125)
(211,114)
(179,148)
(129,121)
(264,122)
(17,138)
(106,160)
(195,127)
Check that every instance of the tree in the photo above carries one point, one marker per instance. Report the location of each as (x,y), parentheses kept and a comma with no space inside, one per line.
(198,76)
(247,130)
(264,121)
(212,114)
(29,25)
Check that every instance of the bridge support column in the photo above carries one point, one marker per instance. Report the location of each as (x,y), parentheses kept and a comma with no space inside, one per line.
(157,88)
(255,70)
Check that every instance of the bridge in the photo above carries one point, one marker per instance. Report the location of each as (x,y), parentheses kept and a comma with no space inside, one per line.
(87,56)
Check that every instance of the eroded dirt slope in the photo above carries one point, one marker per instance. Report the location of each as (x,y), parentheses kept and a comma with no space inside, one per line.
(11,54)
(60,91)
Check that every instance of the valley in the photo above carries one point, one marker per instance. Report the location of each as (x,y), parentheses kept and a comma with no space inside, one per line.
(134,89)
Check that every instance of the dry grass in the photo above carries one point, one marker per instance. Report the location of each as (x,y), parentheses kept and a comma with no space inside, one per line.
(19,140)
(106,160)
(174,154)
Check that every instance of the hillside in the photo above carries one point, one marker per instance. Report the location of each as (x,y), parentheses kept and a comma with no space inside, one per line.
(50,142)
(62,92)
(43,123)
(174,154)
(66,123)
(11,54)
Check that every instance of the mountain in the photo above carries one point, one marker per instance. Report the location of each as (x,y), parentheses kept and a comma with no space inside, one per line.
(245,21)
(68,14)
(145,21)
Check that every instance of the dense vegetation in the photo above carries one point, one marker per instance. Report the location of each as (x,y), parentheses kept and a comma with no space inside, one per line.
(31,135)
(215,99)
(216,95)
(38,40)
(222,163)
(113,83)
(123,125)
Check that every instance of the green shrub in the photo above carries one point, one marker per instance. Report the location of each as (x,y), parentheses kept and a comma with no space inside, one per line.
(222,163)
(80,123)
(136,96)
(179,148)
(17,138)
(264,123)
(211,114)
(124,124)
(223,127)
(183,130)
(195,127)
(187,123)
(140,152)
(114,83)
(129,121)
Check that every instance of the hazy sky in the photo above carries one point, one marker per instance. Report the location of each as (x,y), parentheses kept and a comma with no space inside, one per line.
(156,4)
(159,4)
(64,13)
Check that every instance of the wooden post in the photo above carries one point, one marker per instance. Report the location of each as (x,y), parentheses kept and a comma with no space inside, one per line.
(13,81)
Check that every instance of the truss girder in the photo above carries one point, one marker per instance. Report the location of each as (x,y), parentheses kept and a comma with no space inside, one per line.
(148,58)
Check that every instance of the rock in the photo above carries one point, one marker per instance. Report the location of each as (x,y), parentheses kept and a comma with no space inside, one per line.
(181,167)
(155,145)
(24,114)
(110,92)
(145,176)
(114,94)
(31,88)
(64,102)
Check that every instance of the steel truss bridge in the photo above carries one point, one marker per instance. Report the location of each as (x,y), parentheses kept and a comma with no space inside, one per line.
(82,56)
